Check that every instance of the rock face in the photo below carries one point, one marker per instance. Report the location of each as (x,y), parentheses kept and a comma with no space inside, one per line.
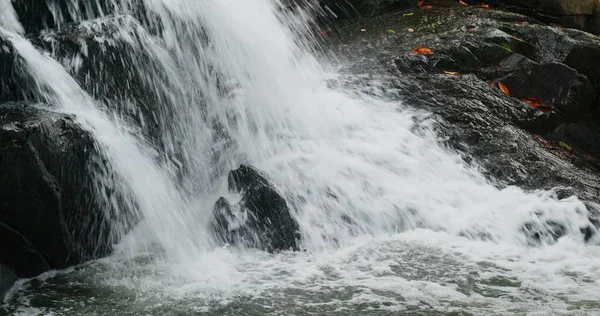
(260,219)
(580,14)
(7,279)
(50,216)
(354,8)
(542,135)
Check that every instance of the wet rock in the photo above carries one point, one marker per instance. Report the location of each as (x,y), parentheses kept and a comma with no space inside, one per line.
(36,15)
(260,218)
(14,85)
(543,233)
(51,216)
(511,141)
(7,280)
(354,8)
(581,14)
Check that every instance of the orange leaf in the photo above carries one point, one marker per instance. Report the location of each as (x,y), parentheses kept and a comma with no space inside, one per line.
(484,6)
(420,3)
(461,2)
(427,7)
(503,88)
(529,99)
(454,73)
(421,50)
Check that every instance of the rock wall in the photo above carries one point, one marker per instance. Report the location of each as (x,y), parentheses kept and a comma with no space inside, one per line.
(579,14)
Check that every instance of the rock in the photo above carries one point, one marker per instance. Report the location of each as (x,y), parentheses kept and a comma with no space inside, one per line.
(354,8)
(543,233)
(13,82)
(7,280)
(581,14)
(260,219)
(37,15)
(512,142)
(51,214)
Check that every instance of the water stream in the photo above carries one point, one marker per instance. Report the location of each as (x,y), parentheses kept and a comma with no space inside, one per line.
(238,81)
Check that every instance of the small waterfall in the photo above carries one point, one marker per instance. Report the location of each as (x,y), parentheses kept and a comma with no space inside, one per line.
(229,82)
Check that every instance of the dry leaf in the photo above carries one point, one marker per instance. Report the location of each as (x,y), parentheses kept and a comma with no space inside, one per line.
(484,6)
(421,50)
(454,73)
(420,3)
(427,7)
(503,88)
(461,2)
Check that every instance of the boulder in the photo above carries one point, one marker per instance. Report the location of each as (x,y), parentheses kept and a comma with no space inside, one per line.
(7,280)
(51,212)
(259,218)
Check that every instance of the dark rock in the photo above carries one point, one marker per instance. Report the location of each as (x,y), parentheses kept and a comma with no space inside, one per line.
(508,139)
(261,219)
(51,216)
(354,8)
(14,84)
(36,15)
(543,233)
(7,280)
(581,14)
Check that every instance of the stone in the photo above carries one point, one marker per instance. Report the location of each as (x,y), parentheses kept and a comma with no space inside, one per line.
(511,142)
(51,212)
(260,219)
(7,280)
(354,8)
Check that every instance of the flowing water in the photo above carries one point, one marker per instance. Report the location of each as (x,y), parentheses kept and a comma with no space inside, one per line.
(392,222)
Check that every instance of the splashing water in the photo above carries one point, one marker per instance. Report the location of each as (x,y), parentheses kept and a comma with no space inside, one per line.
(235,82)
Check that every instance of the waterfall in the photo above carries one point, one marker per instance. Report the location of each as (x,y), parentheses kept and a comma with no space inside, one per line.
(176,93)
(233,83)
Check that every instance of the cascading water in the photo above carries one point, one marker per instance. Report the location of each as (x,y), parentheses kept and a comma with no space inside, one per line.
(378,200)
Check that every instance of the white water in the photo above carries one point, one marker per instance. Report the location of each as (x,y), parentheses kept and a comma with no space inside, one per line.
(392,178)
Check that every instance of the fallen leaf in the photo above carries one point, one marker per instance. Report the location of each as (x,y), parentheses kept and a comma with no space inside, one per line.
(506,46)
(453,73)
(565,146)
(325,31)
(409,14)
(410,30)
(383,36)
(530,99)
(427,7)
(421,50)
(484,6)
(420,3)
(519,20)
(391,31)
(461,2)
(503,88)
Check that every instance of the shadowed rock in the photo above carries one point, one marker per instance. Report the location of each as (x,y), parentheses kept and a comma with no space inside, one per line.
(51,216)
(260,219)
